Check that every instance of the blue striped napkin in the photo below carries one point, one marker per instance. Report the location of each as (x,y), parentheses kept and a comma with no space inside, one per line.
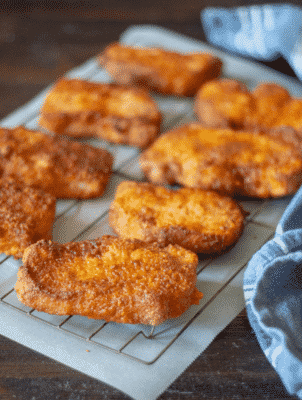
(273,295)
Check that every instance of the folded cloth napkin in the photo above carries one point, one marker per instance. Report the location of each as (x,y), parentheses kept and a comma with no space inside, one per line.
(263,32)
(273,295)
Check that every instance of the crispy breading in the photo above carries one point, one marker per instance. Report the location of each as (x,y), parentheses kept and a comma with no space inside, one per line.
(26,216)
(61,167)
(231,162)
(228,103)
(111,112)
(200,221)
(224,103)
(160,70)
(109,278)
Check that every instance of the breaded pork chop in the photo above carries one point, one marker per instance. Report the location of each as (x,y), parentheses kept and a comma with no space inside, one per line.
(159,70)
(111,112)
(26,216)
(109,278)
(63,168)
(201,221)
(228,161)
(228,103)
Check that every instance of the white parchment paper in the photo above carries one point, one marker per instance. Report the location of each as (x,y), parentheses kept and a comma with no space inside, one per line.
(147,372)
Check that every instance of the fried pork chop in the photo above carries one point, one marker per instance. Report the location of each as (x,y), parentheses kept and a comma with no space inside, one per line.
(63,168)
(228,161)
(160,70)
(111,112)
(26,216)
(109,278)
(201,221)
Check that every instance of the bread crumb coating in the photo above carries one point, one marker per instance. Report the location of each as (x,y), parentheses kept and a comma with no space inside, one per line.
(60,167)
(26,216)
(115,113)
(109,278)
(228,103)
(228,161)
(201,221)
(160,70)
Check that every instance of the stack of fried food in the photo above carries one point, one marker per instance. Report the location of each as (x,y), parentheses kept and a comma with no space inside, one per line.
(148,273)
(125,279)
(35,170)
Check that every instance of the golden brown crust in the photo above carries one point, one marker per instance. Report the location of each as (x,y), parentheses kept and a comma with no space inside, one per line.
(228,103)
(231,162)
(159,70)
(63,168)
(200,221)
(224,103)
(26,216)
(109,278)
(114,113)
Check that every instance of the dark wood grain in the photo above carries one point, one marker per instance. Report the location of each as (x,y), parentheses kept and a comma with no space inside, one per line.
(233,367)
(38,43)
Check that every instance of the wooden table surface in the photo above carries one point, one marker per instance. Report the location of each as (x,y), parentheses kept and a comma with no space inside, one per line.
(39,43)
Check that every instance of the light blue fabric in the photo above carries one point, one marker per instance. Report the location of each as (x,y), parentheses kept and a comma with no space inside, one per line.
(273,294)
(263,32)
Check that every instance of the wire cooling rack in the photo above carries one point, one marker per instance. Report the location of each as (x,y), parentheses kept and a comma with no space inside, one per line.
(80,220)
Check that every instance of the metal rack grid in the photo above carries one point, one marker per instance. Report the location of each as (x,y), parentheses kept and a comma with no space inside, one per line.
(73,223)
(78,220)
(155,332)
(119,350)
